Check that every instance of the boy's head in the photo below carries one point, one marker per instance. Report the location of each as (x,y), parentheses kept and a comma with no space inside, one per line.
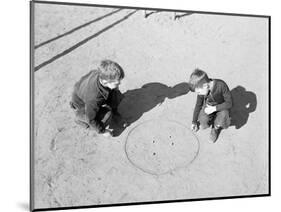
(199,82)
(110,74)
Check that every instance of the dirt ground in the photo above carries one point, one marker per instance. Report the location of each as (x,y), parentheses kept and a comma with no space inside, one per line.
(156,157)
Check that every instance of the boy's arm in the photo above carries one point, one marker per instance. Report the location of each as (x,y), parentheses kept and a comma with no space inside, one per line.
(92,108)
(198,107)
(114,99)
(227,104)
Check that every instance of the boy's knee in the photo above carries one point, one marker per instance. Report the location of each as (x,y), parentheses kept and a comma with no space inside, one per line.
(80,115)
(223,113)
(204,122)
(223,119)
(204,126)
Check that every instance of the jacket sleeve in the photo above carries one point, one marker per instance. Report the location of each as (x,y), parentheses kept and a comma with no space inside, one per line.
(227,104)
(198,107)
(91,110)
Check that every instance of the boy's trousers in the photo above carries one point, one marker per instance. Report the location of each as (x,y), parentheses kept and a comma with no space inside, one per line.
(104,115)
(105,112)
(219,118)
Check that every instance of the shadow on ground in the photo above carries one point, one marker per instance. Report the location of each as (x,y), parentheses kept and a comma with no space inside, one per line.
(67,51)
(136,102)
(76,28)
(178,16)
(148,13)
(244,103)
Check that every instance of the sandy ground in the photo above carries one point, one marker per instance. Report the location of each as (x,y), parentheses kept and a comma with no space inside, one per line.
(156,157)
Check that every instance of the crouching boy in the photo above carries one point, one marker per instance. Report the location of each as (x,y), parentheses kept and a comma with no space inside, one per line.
(94,98)
(213,103)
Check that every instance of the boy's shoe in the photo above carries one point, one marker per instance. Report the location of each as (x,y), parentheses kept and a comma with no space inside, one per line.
(214,134)
(82,124)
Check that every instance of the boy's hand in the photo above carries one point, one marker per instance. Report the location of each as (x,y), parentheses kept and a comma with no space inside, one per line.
(194,127)
(209,109)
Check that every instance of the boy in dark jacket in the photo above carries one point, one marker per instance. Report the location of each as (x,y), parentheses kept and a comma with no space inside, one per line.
(95,98)
(213,103)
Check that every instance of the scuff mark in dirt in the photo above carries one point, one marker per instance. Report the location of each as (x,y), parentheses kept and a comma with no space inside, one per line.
(92,152)
(53,145)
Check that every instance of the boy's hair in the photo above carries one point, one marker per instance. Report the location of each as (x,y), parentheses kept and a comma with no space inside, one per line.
(110,71)
(197,79)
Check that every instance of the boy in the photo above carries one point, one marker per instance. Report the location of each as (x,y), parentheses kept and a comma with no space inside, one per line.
(213,103)
(94,98)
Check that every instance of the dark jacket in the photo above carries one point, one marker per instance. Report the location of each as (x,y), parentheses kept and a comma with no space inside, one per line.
(219,96)
(90,95)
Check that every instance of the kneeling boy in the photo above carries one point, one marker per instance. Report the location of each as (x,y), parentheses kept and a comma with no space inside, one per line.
(213,103)
(95,96)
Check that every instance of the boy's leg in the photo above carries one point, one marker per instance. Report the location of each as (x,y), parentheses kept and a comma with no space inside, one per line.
(114,100)
(222,119)
(204,119)
(104,115)
(80,118)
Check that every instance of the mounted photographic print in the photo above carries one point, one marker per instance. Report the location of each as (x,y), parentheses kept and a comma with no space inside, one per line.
(145,105)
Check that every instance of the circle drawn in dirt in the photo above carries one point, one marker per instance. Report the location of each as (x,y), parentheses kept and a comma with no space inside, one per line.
(158,147)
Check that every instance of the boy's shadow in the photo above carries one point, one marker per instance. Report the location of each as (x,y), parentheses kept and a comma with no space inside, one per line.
(138,101)
(244,103)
